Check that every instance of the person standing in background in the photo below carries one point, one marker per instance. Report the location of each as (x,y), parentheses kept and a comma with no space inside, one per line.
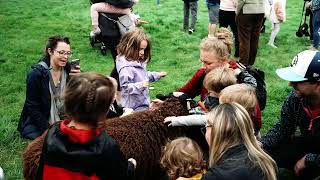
(213,11)
(277,16)
(227,17)
(190,5)
(249,18)
(315,9)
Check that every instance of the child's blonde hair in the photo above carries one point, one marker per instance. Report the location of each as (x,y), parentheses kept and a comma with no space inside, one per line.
(231,125)
(221,43)
(129,45)
(182,157)
(241,93)
(219,78)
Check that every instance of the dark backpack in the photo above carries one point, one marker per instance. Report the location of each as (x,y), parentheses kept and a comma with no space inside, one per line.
(261,85)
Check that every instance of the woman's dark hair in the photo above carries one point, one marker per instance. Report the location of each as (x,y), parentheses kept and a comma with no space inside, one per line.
(129,45)
(53,41)
(88,96)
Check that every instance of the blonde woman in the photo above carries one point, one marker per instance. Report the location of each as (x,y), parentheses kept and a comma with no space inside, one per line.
(214,52)
(234,152)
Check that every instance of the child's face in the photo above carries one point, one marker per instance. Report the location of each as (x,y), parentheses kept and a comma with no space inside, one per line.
(143,46)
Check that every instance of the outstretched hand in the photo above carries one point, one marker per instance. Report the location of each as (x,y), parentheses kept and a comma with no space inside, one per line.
(163,73)
(168,120)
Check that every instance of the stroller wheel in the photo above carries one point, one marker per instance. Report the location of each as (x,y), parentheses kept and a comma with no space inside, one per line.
(91,40)
(103,50)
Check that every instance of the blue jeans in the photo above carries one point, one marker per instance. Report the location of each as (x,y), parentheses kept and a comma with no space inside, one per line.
(316,26)
(213,11)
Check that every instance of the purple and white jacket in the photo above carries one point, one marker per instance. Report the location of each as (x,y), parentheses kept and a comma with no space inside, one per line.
(132,74)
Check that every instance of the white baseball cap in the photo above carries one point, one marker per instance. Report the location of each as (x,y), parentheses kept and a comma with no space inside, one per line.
(304,66)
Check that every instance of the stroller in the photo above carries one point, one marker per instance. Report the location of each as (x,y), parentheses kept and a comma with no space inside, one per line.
(110,34)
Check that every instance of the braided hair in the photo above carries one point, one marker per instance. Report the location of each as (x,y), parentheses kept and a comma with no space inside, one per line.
(88,97)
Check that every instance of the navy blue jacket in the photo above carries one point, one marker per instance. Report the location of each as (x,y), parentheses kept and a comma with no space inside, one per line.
(34,119)
(293,116)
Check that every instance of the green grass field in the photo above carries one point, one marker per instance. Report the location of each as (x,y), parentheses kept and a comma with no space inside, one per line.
(25,26)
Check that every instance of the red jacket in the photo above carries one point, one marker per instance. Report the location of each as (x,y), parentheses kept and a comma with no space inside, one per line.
(194,87)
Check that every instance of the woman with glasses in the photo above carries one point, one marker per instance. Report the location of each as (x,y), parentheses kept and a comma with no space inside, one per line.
(45,82)
(234,152)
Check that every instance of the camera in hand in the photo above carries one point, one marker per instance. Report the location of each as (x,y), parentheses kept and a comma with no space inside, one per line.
(74,63)
(303,30)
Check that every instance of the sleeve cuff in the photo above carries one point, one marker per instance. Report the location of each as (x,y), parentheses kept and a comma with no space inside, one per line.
(310,159)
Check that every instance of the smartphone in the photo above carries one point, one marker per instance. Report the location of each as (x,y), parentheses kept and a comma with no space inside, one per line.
(74,63)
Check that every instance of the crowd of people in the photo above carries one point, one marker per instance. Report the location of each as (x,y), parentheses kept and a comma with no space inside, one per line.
(67,105)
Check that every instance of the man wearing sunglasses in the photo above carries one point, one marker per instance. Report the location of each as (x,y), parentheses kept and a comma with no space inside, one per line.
(293,148)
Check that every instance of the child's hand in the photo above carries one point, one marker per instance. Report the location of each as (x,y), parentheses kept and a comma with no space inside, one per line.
(163,74)
(169,120)
(127,111)
(141,22)
(155,104)
(145,84)
(133,161)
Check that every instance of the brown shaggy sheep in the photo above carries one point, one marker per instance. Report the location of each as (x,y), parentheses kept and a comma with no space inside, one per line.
(140,135)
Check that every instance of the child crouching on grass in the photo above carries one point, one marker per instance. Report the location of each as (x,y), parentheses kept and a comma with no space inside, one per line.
(183,160)
(134,52)
(76,148)
(216,80)
(240,93)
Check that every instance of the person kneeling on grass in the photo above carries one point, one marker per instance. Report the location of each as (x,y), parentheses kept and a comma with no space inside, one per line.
(234,152)
(47,79)
(291,150)
(76,148)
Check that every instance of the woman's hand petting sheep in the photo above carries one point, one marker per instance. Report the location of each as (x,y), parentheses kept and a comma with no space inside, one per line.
(75,71)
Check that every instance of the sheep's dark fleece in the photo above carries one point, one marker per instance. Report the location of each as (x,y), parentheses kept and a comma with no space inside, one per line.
(140,135)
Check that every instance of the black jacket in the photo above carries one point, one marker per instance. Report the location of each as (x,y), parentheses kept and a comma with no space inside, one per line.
(234,165)
(34,118)
(99,156)
(292,116)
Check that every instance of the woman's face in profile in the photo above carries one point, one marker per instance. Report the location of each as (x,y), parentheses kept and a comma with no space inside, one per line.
(60,55)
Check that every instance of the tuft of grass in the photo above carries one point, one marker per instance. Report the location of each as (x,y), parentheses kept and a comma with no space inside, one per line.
(24,28)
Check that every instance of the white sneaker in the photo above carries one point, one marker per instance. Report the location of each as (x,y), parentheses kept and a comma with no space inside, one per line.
(272,45)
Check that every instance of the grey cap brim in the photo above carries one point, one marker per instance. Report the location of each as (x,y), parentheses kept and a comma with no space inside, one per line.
(289,75)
